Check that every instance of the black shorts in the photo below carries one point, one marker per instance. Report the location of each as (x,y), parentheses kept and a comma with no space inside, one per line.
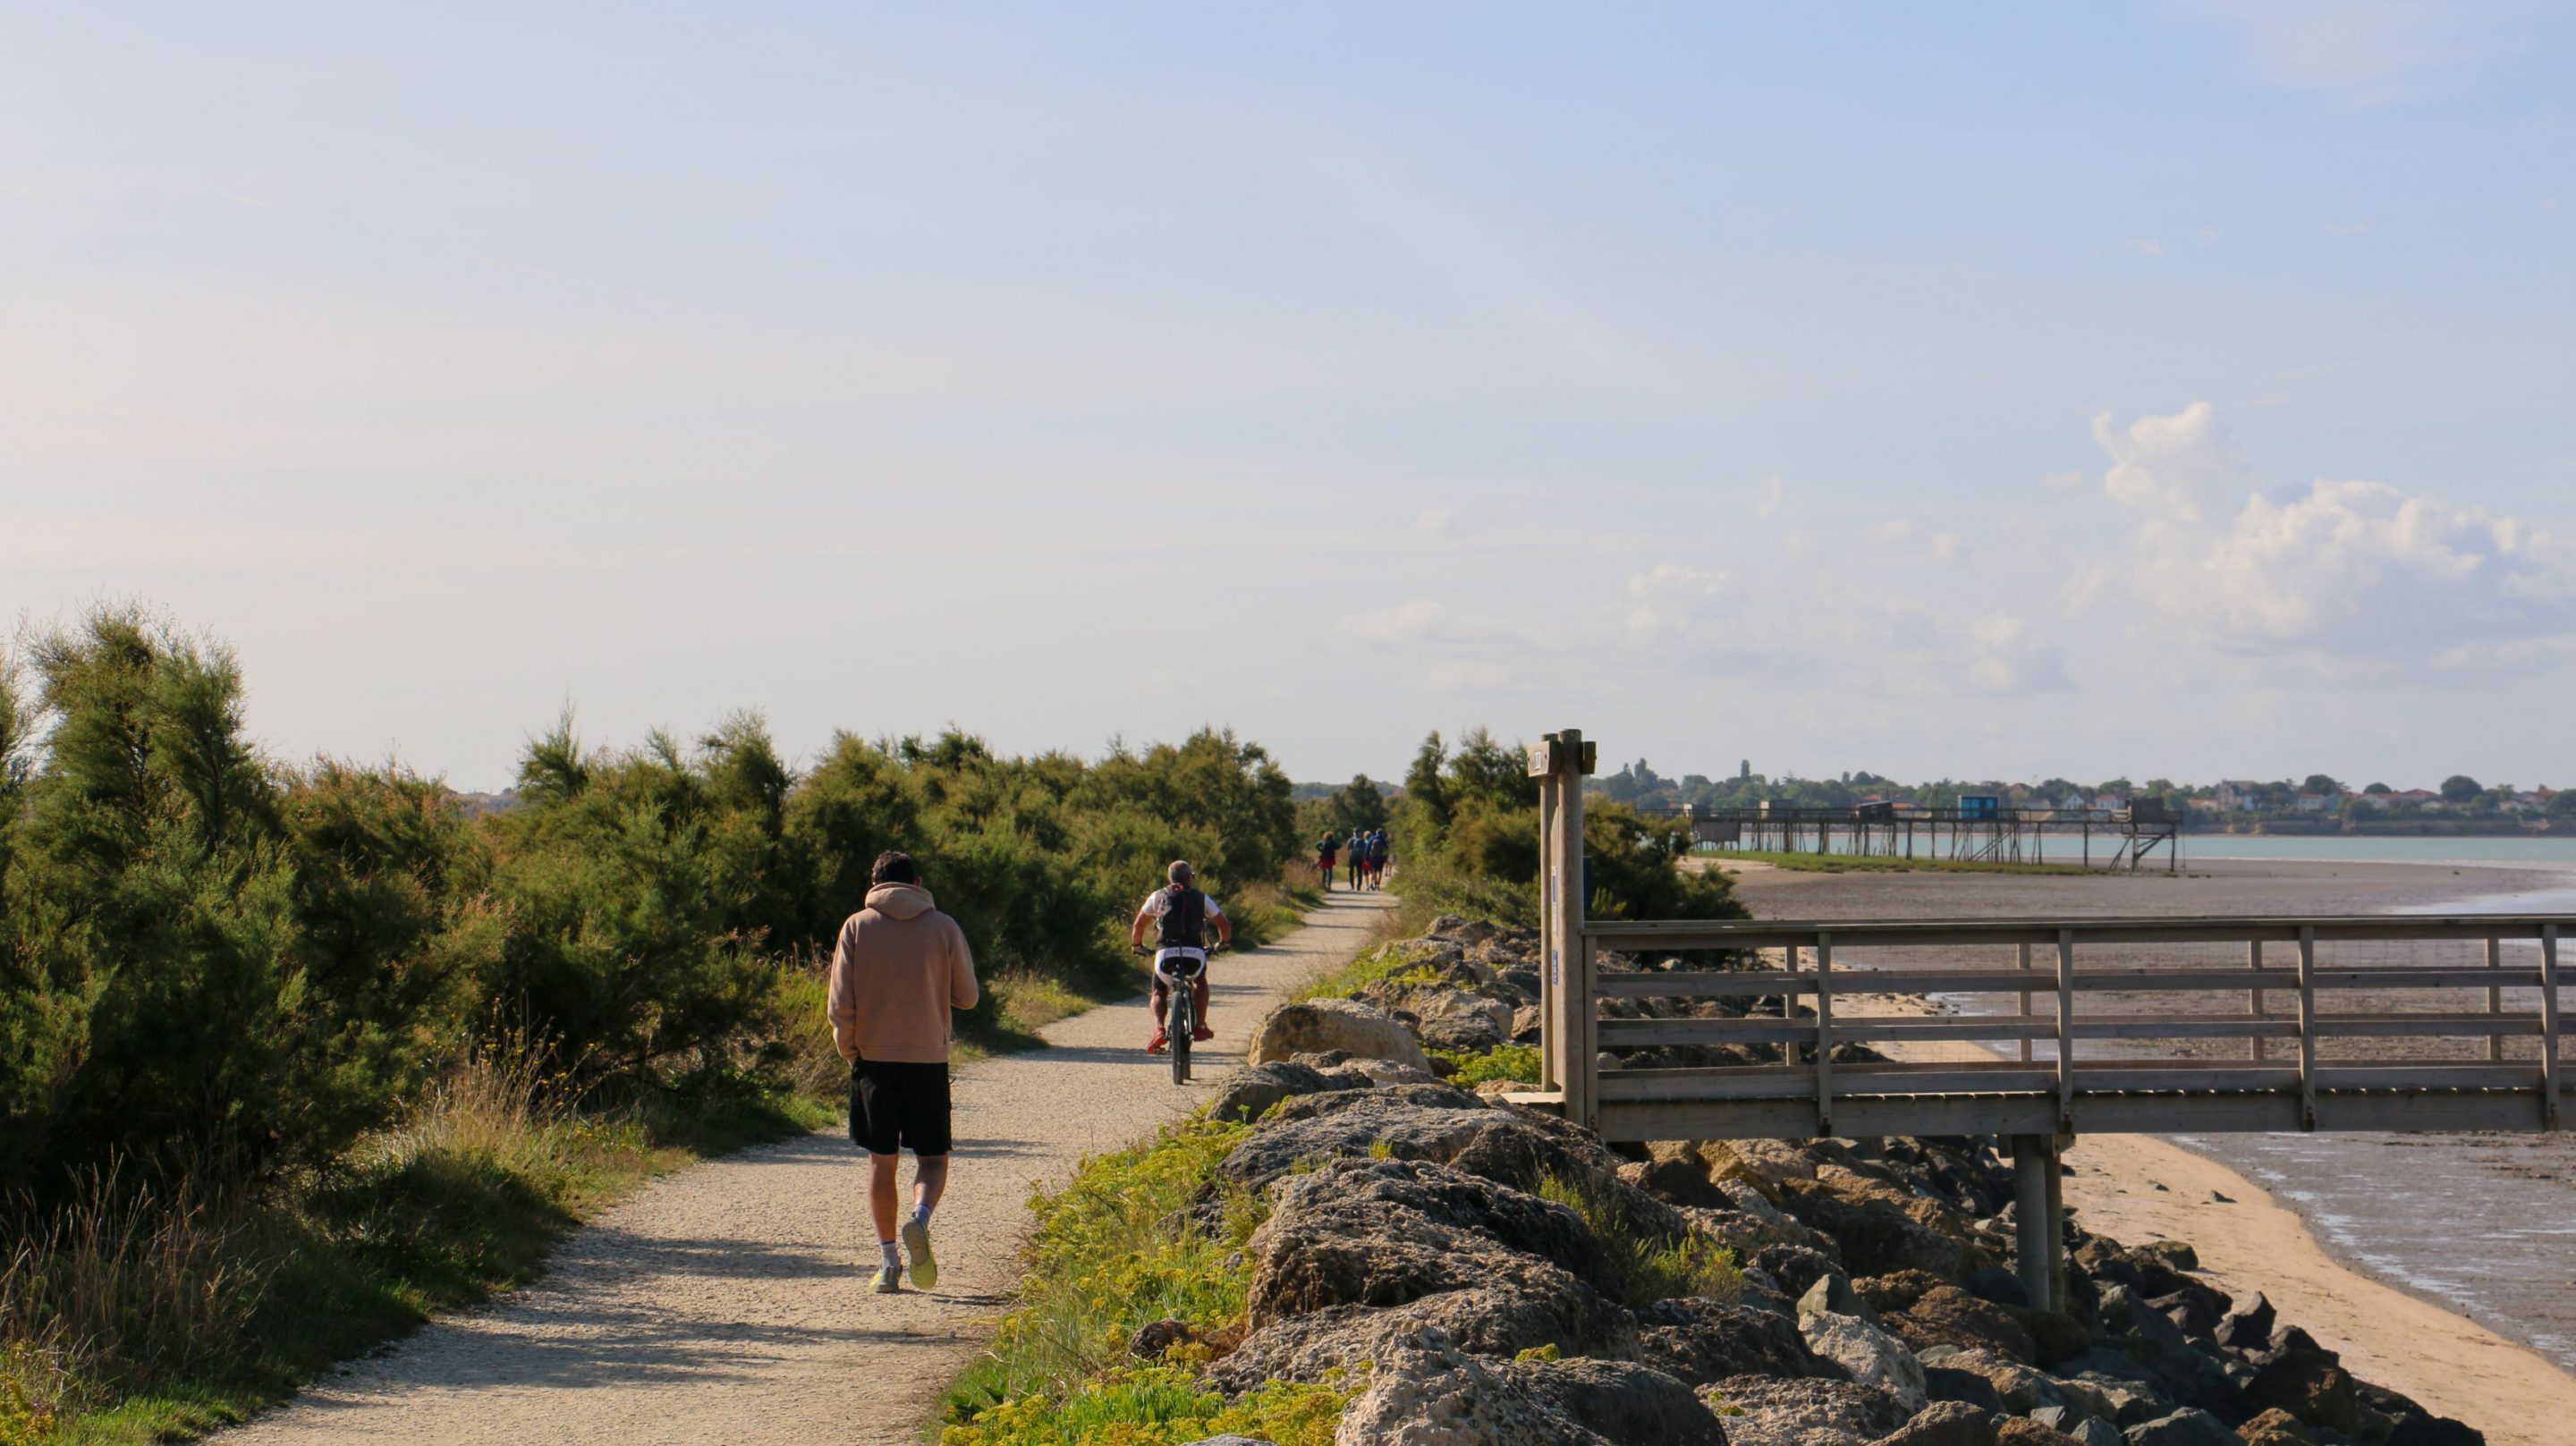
(896,1106)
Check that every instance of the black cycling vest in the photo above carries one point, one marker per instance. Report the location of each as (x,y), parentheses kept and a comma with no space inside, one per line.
(1184,921)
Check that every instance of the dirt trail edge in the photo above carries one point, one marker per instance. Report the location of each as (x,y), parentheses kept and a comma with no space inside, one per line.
(729,1302)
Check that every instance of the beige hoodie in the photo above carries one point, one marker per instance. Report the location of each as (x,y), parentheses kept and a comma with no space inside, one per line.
(898,969)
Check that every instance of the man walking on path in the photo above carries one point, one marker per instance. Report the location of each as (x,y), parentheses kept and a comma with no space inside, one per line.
(899,968)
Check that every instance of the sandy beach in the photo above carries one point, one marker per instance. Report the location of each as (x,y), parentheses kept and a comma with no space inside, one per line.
(2379,1312)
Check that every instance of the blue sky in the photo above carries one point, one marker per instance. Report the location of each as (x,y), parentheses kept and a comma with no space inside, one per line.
(2012,390)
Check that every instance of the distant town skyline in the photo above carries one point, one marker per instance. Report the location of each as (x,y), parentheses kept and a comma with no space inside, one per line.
(2169,387)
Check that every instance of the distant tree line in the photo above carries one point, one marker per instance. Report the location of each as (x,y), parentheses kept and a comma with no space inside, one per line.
(1638,783)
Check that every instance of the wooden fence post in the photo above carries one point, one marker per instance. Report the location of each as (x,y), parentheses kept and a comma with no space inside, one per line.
(1578,1070)
(1824,1035)
(1551,1010)
(2066,1031)
(2307,1027)
(2025,1004)
(2495,999)
(2549,1026)
(2035,1241)
(2254,961)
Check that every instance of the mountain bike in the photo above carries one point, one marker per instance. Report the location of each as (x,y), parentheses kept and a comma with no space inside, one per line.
(1180,1006)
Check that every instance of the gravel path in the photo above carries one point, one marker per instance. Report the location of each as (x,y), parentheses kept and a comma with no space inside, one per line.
(729,1302)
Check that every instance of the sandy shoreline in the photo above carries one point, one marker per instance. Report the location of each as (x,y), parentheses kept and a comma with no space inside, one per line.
(2246,1238)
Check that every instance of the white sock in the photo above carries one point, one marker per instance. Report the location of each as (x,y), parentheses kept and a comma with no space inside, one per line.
(893,1260)
(921,1213)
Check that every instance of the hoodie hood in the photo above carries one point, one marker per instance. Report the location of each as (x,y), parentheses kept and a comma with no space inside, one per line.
(900,901)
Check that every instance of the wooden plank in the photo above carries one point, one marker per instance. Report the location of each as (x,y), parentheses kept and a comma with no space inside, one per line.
(1982,1028)
(2023,960)
(1824,1034)
(1684,933)
(1704,984)
(2495,996)
(2254,996)
(2307,1028)
(1756,983)
(2389,1026)
(2065,1032)
(2235,1113)
(2550,1084)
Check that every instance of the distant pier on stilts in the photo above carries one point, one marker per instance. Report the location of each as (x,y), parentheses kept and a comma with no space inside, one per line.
(1978,828)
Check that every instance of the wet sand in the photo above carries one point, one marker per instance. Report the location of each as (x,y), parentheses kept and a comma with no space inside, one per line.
(2435,1262)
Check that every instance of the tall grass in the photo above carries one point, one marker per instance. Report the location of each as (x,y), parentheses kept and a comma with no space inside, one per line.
(130,1312)
(1650,1266)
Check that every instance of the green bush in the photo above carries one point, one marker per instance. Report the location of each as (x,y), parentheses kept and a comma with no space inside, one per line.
(1466,842)
(210,966)
(1517,1063)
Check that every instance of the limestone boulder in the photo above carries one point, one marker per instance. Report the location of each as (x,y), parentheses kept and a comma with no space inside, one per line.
(1381,1233)
(1249,1093)
(1767,1411)
(1947,1315)
(1705,1341)
(1943,1423)
(1417,1122)
(1878,1227)
(2182,1428)
(1314,1026)
(1481,1320)
(2023,1431)
(1869,1355)
(1455,1019)
(1445,1397)
(2309,1383)
(2021,1388)
(1634,1405)
(2276,1427)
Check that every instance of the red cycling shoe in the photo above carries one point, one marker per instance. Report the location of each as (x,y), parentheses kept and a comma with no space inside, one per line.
(1201,1034)
(1159,1042)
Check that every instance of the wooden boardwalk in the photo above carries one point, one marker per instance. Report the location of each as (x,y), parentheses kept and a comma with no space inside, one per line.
(2384,1023)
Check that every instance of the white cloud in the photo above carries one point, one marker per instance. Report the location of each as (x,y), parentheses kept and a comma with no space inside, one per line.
(1894,529)
(2352,579)
(1437,521)
(2149,247)
(1770,497)
(1420,622)
(1950,547)
(2373,49)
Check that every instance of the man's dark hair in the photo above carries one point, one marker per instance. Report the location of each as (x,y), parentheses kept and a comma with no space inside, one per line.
(894,866)
(1179,872)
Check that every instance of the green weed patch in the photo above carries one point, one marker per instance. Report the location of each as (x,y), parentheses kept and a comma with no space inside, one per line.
(1129,1242)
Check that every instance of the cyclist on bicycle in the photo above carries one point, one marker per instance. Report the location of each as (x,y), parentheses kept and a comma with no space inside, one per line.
(1181,916)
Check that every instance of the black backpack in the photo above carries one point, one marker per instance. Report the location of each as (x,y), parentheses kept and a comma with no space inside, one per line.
(1184,921)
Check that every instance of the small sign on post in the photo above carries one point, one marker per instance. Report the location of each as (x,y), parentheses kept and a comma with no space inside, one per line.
(1542,758)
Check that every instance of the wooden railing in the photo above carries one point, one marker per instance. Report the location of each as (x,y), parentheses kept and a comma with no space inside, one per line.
(1795,1011)
(2287,1011)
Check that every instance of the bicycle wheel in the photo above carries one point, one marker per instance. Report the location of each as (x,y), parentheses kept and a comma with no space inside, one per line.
(1176,1027)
